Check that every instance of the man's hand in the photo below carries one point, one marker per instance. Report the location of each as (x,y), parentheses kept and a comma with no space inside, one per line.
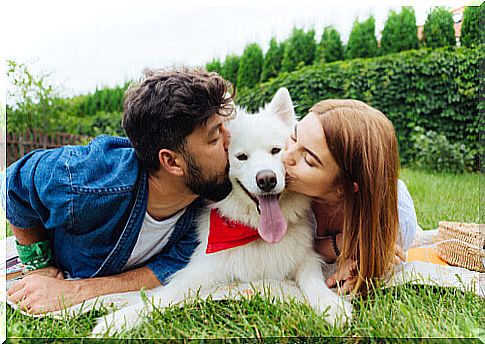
(46,290)
(346,276)
(43,291)
(50,271)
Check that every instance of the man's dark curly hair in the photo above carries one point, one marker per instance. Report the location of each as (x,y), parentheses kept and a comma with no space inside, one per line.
(164,108)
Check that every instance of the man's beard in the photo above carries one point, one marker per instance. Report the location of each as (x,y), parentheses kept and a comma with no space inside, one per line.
(211,188)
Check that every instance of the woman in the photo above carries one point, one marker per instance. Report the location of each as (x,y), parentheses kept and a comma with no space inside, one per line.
(344,155)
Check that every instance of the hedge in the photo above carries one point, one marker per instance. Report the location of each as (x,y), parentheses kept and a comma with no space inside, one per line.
(434,89)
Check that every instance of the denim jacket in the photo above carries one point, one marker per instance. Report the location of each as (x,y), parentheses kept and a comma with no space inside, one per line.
(91,200)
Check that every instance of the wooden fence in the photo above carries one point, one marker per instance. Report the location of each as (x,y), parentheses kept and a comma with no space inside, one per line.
(18,145)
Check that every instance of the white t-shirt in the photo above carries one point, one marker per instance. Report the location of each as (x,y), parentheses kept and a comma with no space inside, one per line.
(152,239)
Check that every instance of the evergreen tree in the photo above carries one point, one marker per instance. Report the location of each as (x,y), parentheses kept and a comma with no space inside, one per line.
(282,49)
(250,66)
(400,32)
(272,60)
(362,40)
(311,47)
(300,50)
(114,100)
(120,98)
(330,48)
(438,29)
(91,106)
(103,95)
(470,28)
(214,66)
(230,68)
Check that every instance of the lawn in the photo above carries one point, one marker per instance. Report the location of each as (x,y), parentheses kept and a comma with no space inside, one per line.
(401,312)
(444,197)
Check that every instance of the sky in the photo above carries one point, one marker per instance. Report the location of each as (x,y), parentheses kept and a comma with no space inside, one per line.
(89,44)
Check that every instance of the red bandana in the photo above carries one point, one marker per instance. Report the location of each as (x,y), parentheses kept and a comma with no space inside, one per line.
(225,234)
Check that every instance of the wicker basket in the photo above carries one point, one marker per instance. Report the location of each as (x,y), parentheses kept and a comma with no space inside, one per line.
(458,253)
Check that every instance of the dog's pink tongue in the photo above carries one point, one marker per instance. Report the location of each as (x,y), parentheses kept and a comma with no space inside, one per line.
(272,224)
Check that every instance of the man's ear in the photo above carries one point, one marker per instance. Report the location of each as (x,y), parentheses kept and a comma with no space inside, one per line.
(171,162)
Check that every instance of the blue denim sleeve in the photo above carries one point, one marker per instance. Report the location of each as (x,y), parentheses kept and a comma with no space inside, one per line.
(176,258)
(3,191)
(407,216)
(37,190)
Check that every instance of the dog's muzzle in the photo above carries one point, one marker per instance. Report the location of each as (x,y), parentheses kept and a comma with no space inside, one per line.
(266,180)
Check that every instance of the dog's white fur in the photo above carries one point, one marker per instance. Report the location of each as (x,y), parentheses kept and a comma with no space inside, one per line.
(292,258)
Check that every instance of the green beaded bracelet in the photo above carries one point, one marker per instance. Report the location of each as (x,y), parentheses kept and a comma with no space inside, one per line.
(35,256)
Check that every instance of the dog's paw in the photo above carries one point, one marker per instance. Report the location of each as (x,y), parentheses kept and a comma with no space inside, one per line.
(337,310)
(116,322)
(340,312)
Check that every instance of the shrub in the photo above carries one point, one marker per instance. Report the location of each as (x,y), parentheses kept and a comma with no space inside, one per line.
(434,89)
(470,28)
(330,48)
(400,32)
(438,29)
(300,50)
(103,99)
(230,68)
(30,96)
(272,60)
(250,66)
(214,66)
(102,123)
(433,152)
(362,40)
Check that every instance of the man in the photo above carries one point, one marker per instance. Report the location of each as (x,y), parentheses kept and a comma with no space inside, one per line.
(119,215)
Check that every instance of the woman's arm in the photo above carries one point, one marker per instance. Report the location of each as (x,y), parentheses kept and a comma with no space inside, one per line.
(407,216)
(324,247)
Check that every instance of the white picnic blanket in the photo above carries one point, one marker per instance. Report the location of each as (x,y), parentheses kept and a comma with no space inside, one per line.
(407,272)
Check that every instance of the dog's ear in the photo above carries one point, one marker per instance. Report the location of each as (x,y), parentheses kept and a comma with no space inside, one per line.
(282,105)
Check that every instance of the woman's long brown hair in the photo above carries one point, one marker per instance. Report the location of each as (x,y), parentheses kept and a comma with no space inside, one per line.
(363,143)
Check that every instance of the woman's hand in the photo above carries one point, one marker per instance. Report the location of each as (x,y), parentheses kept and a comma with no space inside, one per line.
(344,278)
(399,255)
(324,248)
(346,275)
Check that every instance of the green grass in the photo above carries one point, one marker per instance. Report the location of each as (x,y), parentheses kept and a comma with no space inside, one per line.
(400,312)
(444,197)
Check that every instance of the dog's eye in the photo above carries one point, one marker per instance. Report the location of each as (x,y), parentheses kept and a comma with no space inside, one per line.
(241,157)
(275,150)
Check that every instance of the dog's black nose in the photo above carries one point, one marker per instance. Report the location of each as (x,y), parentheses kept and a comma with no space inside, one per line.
(266,180)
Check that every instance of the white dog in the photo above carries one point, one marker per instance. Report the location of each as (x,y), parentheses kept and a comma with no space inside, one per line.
(231,248)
